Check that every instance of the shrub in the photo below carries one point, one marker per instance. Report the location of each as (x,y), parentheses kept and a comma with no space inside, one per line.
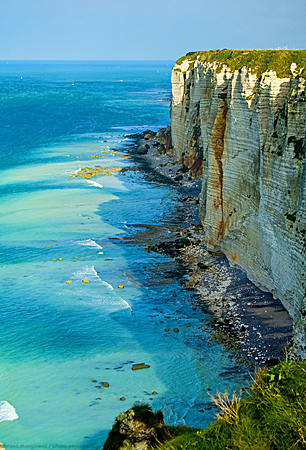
(271,417)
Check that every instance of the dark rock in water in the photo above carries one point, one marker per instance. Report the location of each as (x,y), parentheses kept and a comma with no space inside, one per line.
(142,150)
(178,177)
(139,428)
(135,136)
(149,178)
(203,266)
(185,241)
(148,135)
(140,366)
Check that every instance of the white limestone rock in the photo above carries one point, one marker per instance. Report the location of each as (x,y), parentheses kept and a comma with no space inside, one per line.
(250,132)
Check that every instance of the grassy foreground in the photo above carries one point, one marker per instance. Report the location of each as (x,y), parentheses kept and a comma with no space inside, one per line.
(272,417)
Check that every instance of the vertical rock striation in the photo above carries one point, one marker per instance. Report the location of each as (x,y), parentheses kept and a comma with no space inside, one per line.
(242,125)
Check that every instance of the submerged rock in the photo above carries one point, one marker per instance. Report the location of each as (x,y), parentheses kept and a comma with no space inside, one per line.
(139,428)
(140,366)
(142,150)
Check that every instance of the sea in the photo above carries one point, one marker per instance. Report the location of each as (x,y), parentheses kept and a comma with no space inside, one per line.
(78,306)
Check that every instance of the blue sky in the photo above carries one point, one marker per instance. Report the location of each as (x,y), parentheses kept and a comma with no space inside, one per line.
(140,29)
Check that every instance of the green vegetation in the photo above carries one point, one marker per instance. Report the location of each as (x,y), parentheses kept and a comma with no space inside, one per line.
(143,412)
(259,61)
(139,421)
(271,417)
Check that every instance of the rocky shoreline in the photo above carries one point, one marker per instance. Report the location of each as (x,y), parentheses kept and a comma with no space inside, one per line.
(246,320)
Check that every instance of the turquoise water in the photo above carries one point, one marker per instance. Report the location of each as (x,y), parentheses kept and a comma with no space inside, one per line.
(57,337)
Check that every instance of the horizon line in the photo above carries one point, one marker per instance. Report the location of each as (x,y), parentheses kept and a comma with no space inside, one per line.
(81,60)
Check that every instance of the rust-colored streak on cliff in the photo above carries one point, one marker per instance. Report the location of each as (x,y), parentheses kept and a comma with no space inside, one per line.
(217,140)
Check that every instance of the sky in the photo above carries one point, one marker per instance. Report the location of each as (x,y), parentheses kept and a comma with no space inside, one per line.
(145,30)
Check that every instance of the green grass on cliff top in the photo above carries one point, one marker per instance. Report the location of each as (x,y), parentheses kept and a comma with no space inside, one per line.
(272,417)
(259,61)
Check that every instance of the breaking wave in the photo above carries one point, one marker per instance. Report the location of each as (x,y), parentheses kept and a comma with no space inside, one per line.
(90,243)
(94,183)
(7,411)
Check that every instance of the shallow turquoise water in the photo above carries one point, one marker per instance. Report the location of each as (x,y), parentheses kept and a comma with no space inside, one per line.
(56,338)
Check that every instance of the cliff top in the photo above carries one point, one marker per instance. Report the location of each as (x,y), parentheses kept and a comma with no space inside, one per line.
(259,61)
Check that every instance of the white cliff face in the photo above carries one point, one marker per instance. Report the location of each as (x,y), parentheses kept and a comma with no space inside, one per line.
(250,133)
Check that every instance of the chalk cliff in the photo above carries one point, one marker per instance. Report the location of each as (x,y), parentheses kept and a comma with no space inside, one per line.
(238,119)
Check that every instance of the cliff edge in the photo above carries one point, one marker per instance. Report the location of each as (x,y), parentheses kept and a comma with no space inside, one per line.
(238,120)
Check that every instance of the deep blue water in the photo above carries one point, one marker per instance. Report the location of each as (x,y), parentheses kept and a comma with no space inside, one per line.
(57,337)
(44,103)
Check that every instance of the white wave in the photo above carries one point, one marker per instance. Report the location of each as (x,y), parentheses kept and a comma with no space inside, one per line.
(7,411)
(87,273)
(77,171)
(90,243)
(94,183)
(125,302)
(90,274)
(118,296)
(108,285)
(95,273)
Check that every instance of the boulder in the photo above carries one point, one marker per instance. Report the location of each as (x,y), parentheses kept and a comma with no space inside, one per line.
(178,177)
(142,150)
(139,428)
(149,134)
(140,366)
(160,149)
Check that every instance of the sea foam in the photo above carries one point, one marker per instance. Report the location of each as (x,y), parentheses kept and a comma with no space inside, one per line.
(94,183)
(7,411)
(90,243)
(89,273)
(127,305)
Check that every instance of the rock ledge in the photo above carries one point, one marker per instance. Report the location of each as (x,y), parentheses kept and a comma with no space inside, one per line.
(139,428)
